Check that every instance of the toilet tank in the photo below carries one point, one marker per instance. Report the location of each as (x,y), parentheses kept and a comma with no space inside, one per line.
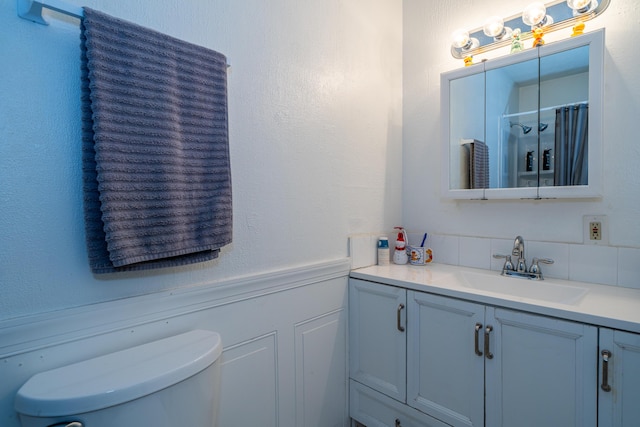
(165,383)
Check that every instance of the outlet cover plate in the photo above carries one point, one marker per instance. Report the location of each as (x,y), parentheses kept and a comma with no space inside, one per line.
(604,229)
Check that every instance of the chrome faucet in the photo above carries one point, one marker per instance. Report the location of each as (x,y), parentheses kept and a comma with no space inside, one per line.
(518,253)
(520,267)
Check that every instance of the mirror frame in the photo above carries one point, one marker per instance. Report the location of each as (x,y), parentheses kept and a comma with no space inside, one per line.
(595,41)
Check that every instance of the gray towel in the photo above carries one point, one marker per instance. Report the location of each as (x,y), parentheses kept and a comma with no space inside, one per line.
(156,167)
(474,164)
(480,167)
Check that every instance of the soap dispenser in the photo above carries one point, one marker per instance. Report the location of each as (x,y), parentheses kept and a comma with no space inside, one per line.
(400,254)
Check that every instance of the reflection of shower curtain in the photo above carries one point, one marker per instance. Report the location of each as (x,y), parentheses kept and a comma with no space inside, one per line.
(571,147)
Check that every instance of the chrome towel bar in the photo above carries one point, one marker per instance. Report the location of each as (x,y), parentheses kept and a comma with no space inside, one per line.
(32,9)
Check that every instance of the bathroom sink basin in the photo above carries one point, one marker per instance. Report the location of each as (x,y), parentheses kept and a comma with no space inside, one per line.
(538,290)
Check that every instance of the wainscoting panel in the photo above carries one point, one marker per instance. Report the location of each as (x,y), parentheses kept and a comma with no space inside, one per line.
(249,383)
(283,337)
(321,370)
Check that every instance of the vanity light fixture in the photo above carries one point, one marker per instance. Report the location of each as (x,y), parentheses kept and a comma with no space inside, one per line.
(461,43)
(582,6)
(494,27)
(498,32)
(535,15)
(460,40)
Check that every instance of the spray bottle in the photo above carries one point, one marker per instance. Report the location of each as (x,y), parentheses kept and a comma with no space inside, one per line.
(400,254)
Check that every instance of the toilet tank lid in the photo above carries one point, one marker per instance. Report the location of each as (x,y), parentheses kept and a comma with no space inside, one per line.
(118,377)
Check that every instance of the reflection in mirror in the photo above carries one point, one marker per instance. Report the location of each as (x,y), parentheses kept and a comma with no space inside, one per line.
(512,104)
(564,104)
(542,129)
(535,130)
(466,130)
(527,125)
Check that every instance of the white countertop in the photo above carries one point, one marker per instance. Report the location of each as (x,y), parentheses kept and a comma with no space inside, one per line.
(609,306)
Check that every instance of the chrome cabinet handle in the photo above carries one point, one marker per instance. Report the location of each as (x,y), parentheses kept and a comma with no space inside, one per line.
(476,339)
(606,354)
(399,322)
(487,352)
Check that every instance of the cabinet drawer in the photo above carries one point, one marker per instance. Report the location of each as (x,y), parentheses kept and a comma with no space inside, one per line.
(374,409)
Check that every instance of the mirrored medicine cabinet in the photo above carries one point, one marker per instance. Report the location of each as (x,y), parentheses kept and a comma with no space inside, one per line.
(527,125)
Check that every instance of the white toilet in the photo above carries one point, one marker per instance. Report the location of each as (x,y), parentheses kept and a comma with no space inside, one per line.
(171,382)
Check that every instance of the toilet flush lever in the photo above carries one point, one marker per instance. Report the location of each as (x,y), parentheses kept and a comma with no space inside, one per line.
(68,424)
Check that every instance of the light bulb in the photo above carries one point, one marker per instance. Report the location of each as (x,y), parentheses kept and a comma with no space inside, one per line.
(581,6)
(460,40)
(494,27)
(535,15)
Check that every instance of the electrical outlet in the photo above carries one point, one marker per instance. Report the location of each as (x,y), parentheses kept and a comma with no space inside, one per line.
(596,230)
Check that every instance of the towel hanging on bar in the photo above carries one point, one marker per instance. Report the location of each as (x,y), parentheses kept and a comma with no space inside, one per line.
(474,167)
(156,166)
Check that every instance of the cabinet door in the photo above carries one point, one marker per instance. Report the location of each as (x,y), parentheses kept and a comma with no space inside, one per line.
(377,351)
(618,403)
(542,372)
(445,362)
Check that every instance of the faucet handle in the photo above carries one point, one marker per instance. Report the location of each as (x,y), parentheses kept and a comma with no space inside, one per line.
(535,267)
(508,265)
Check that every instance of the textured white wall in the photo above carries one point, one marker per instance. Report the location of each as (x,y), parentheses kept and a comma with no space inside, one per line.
(426,29)
(315,95)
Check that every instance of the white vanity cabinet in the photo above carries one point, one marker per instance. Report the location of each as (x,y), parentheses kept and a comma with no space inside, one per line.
(619,387)
(377,357)
(467,364)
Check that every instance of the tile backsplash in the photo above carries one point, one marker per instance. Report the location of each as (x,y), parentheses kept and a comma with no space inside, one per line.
(607,265)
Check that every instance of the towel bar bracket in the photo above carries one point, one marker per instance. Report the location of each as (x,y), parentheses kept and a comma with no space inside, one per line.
(32,9)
